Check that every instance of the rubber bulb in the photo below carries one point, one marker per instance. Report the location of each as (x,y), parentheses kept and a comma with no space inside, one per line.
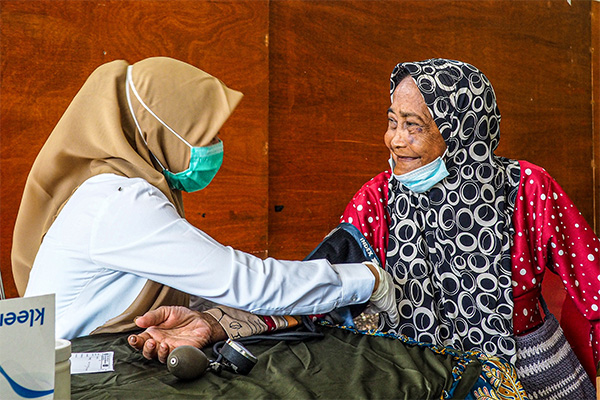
(187,363)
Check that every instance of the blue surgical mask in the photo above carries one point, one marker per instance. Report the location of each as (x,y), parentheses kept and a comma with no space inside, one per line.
(204,161)
(423,178)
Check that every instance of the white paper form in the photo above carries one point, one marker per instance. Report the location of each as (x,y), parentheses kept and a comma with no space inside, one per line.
(89,363)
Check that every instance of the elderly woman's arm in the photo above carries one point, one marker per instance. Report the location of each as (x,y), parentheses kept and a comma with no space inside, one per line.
(557,238)
(367,211)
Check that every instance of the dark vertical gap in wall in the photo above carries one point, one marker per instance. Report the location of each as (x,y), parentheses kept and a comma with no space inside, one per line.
(595,80)
(269,202)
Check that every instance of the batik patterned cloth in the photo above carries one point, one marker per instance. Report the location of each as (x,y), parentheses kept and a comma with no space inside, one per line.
(498,380)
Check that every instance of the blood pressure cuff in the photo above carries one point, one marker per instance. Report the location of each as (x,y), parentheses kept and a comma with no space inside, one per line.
(346,244)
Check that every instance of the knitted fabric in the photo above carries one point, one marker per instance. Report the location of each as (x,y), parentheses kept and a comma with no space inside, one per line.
(547,366)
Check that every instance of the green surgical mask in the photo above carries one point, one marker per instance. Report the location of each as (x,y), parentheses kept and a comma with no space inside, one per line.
(204,165)
(204,161)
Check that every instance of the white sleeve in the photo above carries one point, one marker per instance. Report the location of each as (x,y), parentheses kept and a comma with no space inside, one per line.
(138,231)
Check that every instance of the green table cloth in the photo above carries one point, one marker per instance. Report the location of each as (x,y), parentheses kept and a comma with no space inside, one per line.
(343,364)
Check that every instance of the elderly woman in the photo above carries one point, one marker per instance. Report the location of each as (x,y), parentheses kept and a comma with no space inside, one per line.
(101,222)
(468,235)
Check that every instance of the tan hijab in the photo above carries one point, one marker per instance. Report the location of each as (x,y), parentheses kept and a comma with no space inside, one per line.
(97,135)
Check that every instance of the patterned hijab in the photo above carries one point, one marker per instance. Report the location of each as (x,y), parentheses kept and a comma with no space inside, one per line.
(97,135)
(449,248)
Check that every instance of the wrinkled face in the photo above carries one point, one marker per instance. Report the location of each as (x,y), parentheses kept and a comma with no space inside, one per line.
(412,135)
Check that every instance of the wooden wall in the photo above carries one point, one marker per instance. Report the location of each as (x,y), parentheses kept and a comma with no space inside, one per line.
(50,47)
(595,50)
(330,66)
(315,74)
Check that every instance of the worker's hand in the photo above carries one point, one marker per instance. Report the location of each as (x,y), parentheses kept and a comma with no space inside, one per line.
(383,299)
(171,327)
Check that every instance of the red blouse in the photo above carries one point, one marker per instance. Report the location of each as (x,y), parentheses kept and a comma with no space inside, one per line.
(550,234)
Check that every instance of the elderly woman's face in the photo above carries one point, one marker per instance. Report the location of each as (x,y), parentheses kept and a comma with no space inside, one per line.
(412,136)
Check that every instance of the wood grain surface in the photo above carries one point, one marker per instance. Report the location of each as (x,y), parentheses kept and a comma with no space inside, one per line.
(315,74)
(329,92)
(50,47)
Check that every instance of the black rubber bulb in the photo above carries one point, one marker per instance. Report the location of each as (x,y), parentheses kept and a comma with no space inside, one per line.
(187,363)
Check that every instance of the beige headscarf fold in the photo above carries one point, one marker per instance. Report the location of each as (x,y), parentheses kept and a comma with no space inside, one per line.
(97,135)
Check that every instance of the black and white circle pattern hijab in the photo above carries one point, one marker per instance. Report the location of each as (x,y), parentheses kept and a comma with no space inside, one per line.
(449,248)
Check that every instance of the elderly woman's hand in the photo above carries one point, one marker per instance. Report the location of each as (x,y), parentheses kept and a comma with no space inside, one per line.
(171,327)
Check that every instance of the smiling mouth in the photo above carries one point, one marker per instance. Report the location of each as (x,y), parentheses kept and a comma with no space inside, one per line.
(405,158)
